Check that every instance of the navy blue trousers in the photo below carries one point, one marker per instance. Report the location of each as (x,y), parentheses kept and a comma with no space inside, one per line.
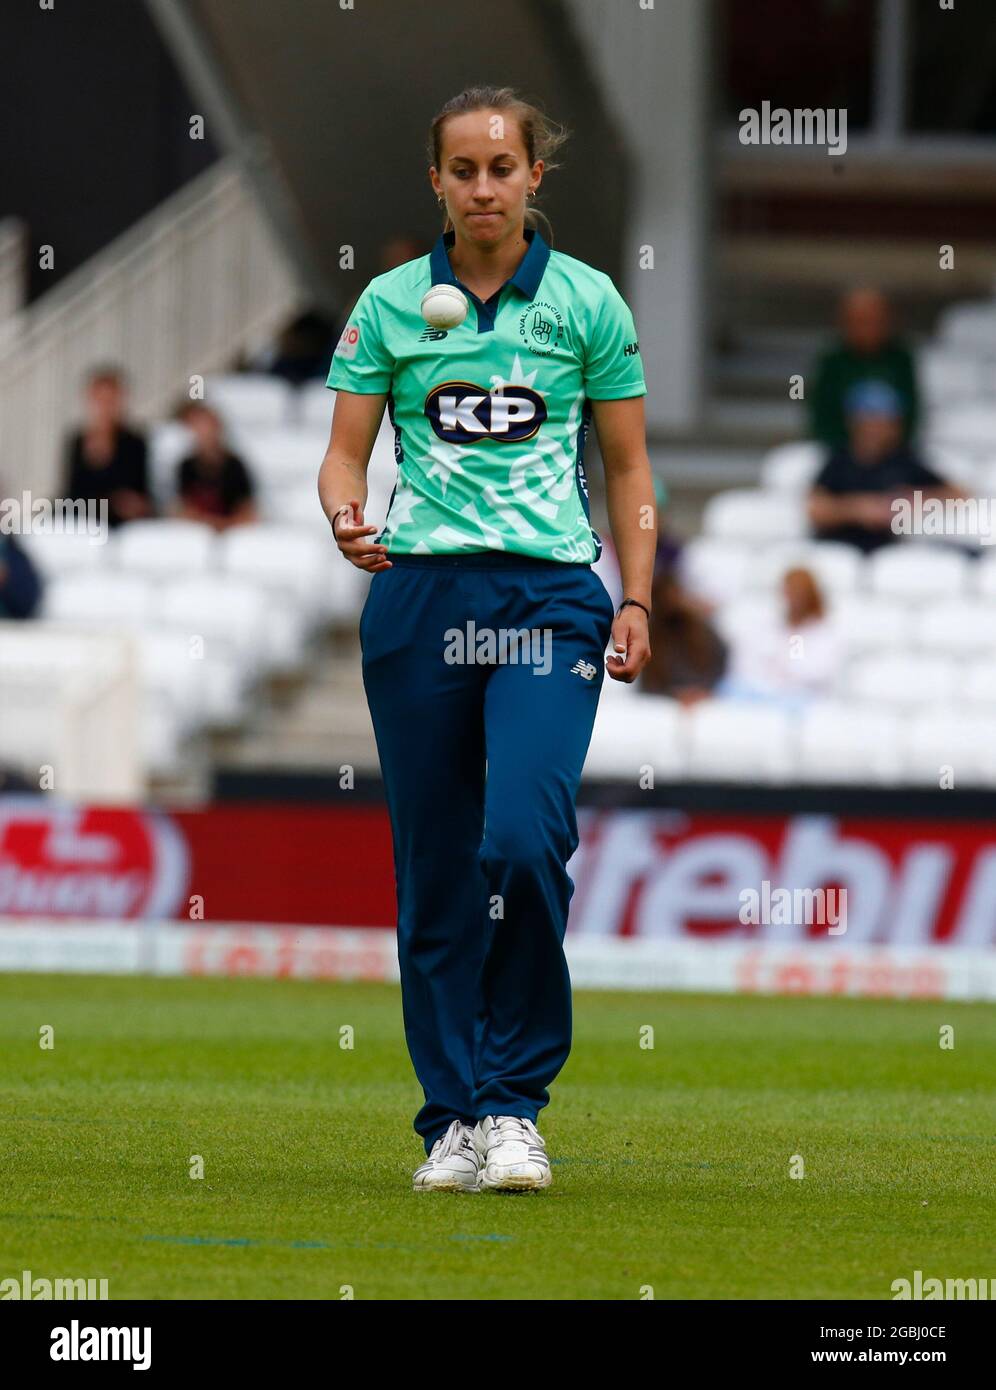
(481,749)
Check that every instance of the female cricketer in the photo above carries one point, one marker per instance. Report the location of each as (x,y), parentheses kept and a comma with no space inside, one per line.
(484,629)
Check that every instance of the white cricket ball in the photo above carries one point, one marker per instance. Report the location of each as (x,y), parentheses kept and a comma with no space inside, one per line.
(444,306)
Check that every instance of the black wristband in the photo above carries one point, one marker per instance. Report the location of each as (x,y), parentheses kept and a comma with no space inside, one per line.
(636,603)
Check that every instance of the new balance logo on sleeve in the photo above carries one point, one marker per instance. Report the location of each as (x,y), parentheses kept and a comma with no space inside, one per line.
(584,669)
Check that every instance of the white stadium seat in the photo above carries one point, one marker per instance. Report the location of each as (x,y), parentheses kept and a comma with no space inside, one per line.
(969,327)
(228,613)
(868,623)
(983,576)
(947,375)
(293,564)
(169,669)
(754,514)
(912,571)
(314,406)
(979,685)
(970,426)
(248,399)
(735,741)
(752,613)
(792,467)
(849,743)
(169,443)
(902,680)
(958,627)
(944,747)
(102,600)
(64,552)
(279,455)
(716,570)
(634,731)
(163,548)
(837,568)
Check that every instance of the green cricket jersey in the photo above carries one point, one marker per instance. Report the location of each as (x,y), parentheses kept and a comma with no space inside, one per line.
(490,418)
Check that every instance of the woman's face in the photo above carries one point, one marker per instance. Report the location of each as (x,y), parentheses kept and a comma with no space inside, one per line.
(485,175)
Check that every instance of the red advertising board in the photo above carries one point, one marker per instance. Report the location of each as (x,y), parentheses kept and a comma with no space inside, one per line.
(645,874)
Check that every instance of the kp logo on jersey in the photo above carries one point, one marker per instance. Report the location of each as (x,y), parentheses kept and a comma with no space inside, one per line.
(461,412)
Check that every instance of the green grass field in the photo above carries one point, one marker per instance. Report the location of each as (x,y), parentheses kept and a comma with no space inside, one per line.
(671,1166)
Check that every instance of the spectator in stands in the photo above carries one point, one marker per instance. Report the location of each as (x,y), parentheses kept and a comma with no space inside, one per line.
(20,584)
(303,349)
(11,781)
(868,350)
(106,460)
(688,655)
(852,496)
(213,484)
(791,659)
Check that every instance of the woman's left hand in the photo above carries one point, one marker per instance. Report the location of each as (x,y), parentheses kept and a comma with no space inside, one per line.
(630,645)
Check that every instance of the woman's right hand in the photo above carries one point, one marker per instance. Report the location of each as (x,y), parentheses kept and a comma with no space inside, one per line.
(350,536)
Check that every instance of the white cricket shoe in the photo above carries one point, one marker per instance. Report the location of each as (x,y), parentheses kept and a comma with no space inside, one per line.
(453,1164)
(513,1156)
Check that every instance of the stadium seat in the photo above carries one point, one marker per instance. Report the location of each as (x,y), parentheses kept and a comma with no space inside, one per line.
(169,443)
(944,747)
(754,514)
(838,568)
(983,575)
(914,571)
(848,743)
(250,399)
(902,680)
(969,426)
(716,570)
(314,406)
(170,672)
(64,552)
(969,327)
(227,613)
(281,455)
(979,684)
(732,741)
(635,731)
(293,563)
(958,627)
(947,375)
(745,615)
(792,467)
(868,623)
(163,548)
(101,600)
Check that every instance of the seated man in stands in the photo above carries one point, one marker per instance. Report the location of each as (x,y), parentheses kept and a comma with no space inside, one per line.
(20,586)
(688,655)
(853,494)
(868,350)
(213,484)
(105,460)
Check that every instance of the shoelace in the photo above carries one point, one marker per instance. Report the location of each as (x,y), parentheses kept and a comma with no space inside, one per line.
(455,1140)
(513,1127)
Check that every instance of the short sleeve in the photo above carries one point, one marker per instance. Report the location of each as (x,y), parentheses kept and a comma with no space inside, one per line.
(361,361)
(613,368)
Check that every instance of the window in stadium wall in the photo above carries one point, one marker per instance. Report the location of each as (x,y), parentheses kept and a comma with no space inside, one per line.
(817,54)
(952,70)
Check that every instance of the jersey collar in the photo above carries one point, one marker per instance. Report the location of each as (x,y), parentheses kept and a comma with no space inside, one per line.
(526,278)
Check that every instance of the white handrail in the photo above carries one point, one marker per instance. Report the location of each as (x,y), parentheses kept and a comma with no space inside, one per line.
(181,293)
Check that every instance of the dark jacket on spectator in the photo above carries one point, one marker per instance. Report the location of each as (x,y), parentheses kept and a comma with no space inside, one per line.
(20,586)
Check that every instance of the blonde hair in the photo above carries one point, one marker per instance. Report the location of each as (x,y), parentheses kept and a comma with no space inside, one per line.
(541,136)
